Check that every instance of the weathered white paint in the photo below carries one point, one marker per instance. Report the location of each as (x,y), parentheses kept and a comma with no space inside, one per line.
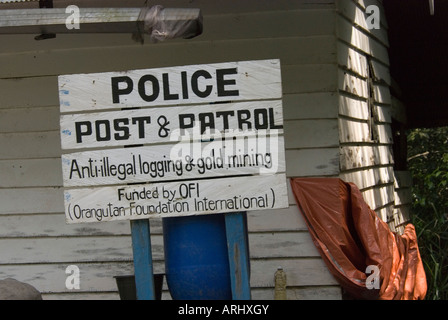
(169,124)
(245,80)
(181,161)
(175,198)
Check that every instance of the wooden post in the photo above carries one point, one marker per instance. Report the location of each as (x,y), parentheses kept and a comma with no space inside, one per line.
(141,247)
(238,251)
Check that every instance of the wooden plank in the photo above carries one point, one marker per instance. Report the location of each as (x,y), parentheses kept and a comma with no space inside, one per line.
(185,84)
(53,225)
(353,157)
(312,162)
(238,253)
(358,39)
(175,198)
(91,249)
(29,119)
(30,173)
(143,266)
(182,161)
(287,219)
(350,59)
(354,131)
(169,125)
(319,105)
(40,92)
(94,20)
(31,200)
(367,178)
(353,108)
(319,133)
(290,50)
(353,85)
(44,144)
(71,250)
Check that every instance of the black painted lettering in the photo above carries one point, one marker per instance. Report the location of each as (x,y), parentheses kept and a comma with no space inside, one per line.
(106,132)
(186,121)
(207,120)
(243,119)
(121,125)
(195,84)
(83,128)
(261,119)
(142,88)
(272,120)
(221,82)
(225,117)
(166,89)
(183,75)
(116,91)
(141,125)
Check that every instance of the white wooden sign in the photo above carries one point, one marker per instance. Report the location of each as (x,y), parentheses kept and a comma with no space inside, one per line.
(233,81)
(176,198)
(188,158)
(168,124)
(185,160)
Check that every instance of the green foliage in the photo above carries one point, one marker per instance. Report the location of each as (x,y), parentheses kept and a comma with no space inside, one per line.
(428,163)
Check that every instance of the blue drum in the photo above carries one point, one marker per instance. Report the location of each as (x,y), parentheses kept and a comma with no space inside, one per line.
(196,259)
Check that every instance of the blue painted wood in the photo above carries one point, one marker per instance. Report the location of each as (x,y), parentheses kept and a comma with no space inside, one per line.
(143,268)
(238,250)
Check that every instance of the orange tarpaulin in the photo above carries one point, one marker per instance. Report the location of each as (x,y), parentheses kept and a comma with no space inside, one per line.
(350,237)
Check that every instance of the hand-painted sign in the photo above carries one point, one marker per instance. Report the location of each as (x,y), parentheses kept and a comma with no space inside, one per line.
(186,159)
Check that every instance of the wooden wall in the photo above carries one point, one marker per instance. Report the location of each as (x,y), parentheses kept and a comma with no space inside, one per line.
(36,245)
(365,105)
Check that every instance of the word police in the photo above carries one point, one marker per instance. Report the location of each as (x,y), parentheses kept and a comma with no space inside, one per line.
(149,87)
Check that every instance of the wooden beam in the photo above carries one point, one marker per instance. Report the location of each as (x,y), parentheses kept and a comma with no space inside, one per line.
(92,20)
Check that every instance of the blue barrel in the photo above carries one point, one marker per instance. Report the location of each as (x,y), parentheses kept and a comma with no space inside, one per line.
(196,260)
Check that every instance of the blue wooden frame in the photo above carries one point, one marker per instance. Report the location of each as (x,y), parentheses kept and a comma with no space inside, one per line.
(238,253)
(143,268)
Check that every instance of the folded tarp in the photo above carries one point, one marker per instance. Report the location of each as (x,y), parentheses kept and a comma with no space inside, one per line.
(355,243)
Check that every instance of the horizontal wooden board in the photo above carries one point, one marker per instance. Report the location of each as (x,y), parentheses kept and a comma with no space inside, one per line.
(245,80)
(42,91)
(312,162)
(181,161)
(362,41)
(165,125)
(29,119)
(72,250)
(367,178)
(316,133)
(30,173)
(32,145)
(353,157)
(54,225)
(176,198)
(31,200)
(290,50)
